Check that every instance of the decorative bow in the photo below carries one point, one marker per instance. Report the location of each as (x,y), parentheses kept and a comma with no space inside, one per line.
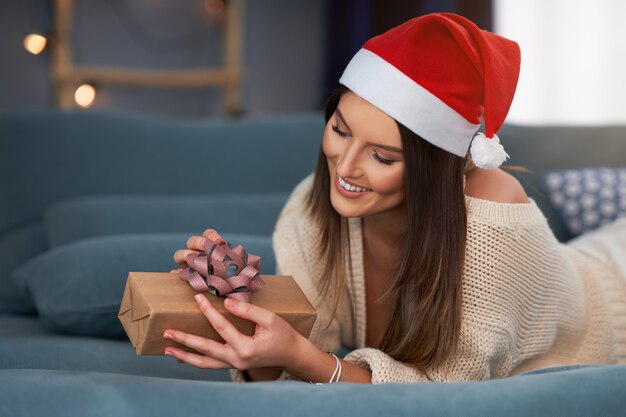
(224,271)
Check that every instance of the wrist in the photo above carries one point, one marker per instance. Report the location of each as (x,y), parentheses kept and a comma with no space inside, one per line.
(302,352)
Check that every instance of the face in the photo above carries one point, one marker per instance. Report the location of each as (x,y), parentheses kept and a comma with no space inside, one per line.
(363,148)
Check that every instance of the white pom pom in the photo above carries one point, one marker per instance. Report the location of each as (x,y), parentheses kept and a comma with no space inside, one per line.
(487,153)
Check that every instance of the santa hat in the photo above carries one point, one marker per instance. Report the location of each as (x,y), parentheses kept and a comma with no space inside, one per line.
(437,74)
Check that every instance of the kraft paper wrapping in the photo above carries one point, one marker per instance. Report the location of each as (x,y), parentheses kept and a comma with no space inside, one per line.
(155,301)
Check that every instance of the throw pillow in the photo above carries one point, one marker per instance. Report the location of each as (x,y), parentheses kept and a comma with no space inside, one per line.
(77,288)
(587,198)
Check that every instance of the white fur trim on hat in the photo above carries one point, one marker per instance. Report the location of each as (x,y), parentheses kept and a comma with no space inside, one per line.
(383,85)
(487,153)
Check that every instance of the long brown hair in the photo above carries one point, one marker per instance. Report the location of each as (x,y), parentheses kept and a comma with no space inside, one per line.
(426,285)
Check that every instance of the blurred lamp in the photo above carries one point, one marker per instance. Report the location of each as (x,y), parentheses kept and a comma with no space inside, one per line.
(85,95)
(35,43)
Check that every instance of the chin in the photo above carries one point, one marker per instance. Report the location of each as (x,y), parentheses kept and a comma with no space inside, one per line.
(344,210)
(348,215)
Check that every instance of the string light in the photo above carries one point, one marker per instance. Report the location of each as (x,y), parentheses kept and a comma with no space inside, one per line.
(35,43)
(85,95)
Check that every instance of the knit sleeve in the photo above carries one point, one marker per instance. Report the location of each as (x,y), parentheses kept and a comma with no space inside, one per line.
(482,354)
(294,240)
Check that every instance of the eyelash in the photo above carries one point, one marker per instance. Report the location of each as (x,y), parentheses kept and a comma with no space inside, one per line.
(376,156)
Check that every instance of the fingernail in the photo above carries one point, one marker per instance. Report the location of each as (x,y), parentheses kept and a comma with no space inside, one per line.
(168,335)
(168,353)
(230,302)
(199,298)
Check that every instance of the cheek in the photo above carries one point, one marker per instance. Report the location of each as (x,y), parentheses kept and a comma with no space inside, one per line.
(389,183)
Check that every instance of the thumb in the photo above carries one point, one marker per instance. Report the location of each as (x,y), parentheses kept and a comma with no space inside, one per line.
(249,311)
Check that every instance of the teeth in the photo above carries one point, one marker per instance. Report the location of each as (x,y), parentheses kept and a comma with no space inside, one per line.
(353,188)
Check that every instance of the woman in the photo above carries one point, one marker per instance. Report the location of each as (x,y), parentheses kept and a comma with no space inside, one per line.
(433,269)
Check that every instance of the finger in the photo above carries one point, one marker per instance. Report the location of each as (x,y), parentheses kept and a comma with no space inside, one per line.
(200,344)
(248,311)
(213,235)
(180,256)
(196,243)
(221,324)
(200,361)
(176,270)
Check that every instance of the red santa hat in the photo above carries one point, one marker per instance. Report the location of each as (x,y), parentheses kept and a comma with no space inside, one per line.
(437,74)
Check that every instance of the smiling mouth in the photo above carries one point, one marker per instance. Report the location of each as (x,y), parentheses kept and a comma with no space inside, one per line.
(349,187)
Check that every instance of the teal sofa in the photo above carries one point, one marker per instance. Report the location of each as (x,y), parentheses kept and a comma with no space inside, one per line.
(86,197)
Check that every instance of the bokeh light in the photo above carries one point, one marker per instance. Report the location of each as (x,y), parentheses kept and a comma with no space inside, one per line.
(35,43)
(85,95)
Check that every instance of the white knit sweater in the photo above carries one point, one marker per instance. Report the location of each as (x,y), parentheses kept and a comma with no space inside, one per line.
(528,301)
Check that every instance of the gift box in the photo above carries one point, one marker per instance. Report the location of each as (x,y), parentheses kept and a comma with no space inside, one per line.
(155,301)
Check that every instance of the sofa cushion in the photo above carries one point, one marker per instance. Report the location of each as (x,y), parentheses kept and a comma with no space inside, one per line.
(26,345)
(592,390)
(587,198)
(77,288)
(79,218)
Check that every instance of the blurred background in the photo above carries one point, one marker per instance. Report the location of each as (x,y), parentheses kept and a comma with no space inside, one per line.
(225,58)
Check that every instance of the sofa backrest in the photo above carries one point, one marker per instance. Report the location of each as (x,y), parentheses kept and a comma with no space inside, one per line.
(49,156)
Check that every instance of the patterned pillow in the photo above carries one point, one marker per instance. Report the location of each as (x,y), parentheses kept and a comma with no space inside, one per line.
(587,198)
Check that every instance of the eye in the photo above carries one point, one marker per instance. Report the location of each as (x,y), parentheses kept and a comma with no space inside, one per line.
(339,132)
(381,159)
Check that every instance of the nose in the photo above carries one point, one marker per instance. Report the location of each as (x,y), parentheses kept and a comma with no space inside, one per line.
(348,164)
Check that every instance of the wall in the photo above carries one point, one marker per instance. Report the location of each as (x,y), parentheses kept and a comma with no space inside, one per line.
(283,59)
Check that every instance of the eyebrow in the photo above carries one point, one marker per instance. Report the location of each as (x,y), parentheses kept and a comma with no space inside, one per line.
(386,147)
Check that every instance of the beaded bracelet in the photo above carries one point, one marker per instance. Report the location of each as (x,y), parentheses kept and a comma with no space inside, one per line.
(336,375)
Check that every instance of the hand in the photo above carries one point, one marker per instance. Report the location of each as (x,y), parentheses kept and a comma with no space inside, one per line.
(195,244)
(274,343)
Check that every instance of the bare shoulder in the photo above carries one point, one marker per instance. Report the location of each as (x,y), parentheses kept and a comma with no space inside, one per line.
(494,185)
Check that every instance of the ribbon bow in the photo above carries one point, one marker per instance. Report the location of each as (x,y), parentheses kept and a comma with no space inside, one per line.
(224,271)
